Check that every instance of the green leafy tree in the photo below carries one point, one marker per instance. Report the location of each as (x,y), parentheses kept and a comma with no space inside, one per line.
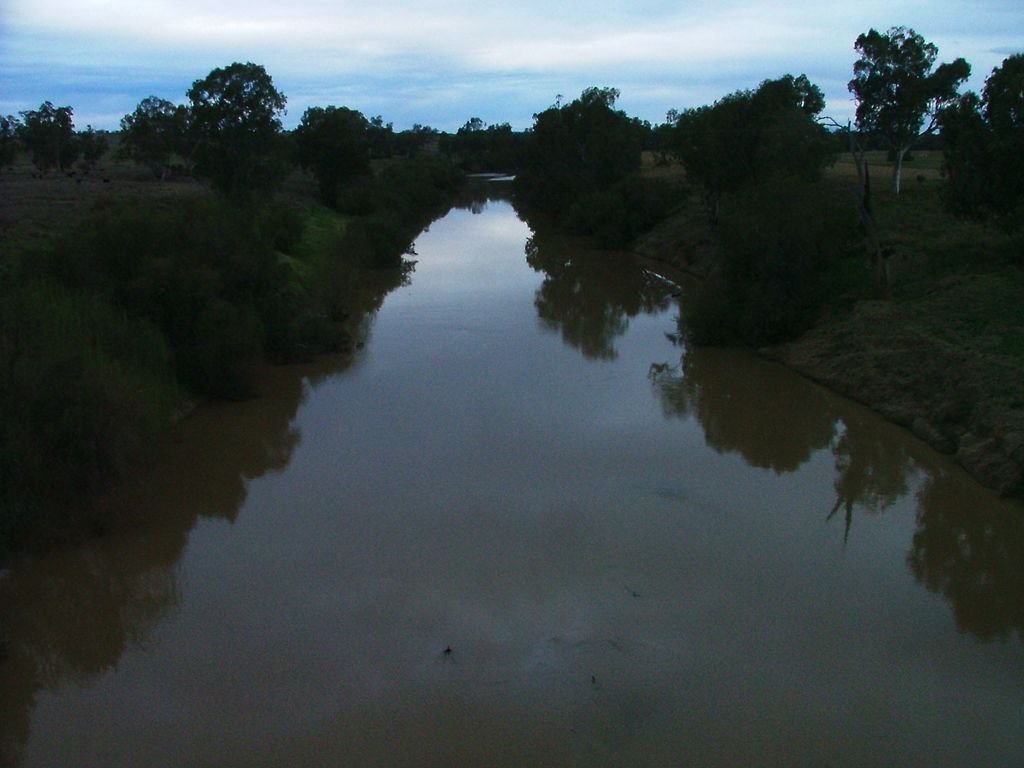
(333,143)
(579,148)
(382,138)
(413,141)
(469,143)
(47,133)
(750,136)
(1003,99)
(92,145)
(783,247)
(153,133)
(983,147)
(236,126)
(9,126)
(477,146)
(899,95)
(967,154)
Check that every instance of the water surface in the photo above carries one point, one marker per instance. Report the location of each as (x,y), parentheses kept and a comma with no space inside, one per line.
(524,526)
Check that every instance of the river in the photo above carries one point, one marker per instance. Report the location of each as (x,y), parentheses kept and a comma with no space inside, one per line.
(524,525)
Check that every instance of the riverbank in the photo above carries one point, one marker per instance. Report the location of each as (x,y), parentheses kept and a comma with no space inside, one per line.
(944,357)
(963,402)
(124,300)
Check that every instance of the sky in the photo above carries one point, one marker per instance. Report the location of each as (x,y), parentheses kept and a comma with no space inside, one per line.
(440,62)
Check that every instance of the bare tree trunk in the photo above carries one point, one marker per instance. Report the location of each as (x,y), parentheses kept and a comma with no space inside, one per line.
(897,168)
(879,255)
(859,160)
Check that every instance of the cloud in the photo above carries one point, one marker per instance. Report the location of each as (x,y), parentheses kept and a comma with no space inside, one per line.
(452,59)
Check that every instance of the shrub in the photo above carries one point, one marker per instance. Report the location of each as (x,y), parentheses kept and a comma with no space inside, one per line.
(281,225)
(786,249)
(203,271)
(85,393)
(617,216)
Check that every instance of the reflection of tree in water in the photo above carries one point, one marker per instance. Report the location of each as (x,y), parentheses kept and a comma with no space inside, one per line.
(772,419)
(68,618)
(70,615)
(973,554)
(871,473)
(590,295)
(776,420)
(478,193)
(969,551)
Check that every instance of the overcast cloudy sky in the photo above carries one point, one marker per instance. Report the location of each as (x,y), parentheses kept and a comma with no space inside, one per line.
(440,62)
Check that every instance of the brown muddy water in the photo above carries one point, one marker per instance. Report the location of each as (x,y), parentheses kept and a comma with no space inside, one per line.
(525,527)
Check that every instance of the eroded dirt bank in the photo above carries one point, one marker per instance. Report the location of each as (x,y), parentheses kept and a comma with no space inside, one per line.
(963,403)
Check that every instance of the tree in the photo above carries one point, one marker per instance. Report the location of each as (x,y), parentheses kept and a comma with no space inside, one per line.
(92,145)
(966,154)
(413,141)
(898,96)
(153,133)
(478,146)
(236,126)
(46,133)
(983,146)
(750,136)
(382,138)
(1003,98)
(582,147)
(9,126)
(333,143)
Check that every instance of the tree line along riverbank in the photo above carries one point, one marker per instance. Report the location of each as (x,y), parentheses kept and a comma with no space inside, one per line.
(124,302)
(212,240)
(893,295)
(941,353)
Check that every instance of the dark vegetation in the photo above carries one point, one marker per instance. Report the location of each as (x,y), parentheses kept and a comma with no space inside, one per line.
(482,148)
(905,296)
(116,315)
(580,170)
(242,243)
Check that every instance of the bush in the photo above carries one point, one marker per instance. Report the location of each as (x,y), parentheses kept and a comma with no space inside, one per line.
(617,216)
(355,201)
(204,272)
(97,333)
(85,393)
(786,249)
(281,225)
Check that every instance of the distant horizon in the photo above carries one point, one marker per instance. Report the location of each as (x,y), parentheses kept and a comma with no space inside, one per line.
(439,64)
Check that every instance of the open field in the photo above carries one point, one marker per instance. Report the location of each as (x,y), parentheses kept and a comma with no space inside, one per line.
(919,166)
(34,207)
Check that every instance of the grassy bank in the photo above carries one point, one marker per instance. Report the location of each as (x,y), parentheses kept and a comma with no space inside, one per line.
(943,355)
(124,298)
